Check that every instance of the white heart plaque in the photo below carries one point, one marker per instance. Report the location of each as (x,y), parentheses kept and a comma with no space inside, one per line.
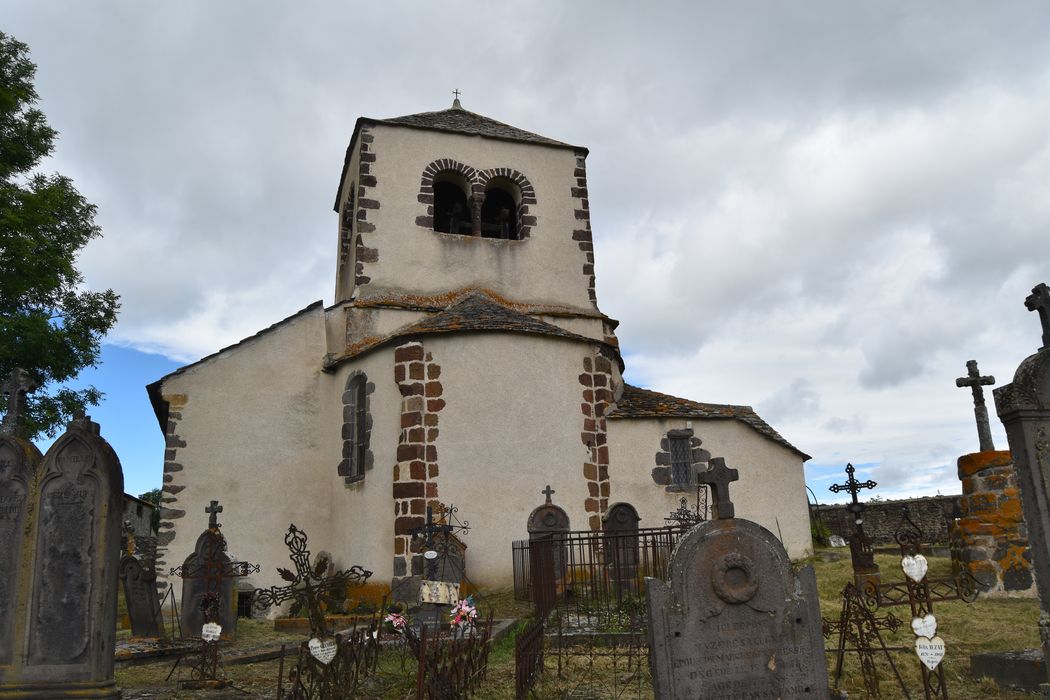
(211,631)
(915,567)
(924,626)
(323,649)
(930,651)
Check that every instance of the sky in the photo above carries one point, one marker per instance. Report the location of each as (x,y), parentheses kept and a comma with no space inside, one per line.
(820,209)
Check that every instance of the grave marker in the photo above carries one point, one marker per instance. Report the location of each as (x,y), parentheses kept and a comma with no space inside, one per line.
(139,580)
(734,622)
(64,595)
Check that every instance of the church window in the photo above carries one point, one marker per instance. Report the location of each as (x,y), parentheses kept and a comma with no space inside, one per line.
(357,426)
(682,473)
(452,213)
(499,213)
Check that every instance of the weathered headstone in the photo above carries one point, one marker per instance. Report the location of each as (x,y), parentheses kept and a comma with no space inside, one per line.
(139,580)
(208,575)
(547,526)
(1024,408)
(620,526)
(19,471)
(68,580)
(451,563)
(734,622)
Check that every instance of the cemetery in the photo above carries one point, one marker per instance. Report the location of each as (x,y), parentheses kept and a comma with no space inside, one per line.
(451,491)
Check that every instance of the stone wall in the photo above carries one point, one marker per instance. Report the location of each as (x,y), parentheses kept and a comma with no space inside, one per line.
(991,540)
(882,518)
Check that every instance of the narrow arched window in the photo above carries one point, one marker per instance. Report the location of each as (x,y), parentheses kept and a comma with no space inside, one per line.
(499,214)
(451,207)
(357,425)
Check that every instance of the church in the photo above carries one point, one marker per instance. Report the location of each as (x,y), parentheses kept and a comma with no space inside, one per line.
(464,362)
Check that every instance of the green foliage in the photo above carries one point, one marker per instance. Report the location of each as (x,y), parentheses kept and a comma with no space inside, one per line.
(49,325)
(819,530)
(153,496)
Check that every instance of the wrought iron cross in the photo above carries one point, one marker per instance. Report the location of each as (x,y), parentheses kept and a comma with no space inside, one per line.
(1039,300)
(213,515)
(308,585)
(16,386)
(548,492)
(718,476)
(214,569)
(853,487)
(975,381)
(457,93)
(444,527)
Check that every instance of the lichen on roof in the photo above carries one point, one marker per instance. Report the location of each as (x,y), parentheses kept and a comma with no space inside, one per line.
(645,403)
(462,121)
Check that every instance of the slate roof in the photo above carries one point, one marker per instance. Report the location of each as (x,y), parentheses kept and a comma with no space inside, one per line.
(461,121)
(643,403)
(472,313)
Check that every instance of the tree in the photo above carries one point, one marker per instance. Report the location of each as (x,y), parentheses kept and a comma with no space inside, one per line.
(153,496)
(49,324)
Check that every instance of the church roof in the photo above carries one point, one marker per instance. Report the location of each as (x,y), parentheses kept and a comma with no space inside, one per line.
(476,312)
(644,403)
(460,121)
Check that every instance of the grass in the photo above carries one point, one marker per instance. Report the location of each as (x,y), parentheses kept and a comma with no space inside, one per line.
(985,625)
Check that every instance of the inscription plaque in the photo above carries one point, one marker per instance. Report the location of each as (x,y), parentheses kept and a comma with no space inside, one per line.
(734,622)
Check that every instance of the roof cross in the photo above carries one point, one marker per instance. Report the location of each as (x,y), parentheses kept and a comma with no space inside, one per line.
(457,93)
(975,381)
(1039,300)
(548,492)
(853,487)
(213,515)
(16,386)
(718,476)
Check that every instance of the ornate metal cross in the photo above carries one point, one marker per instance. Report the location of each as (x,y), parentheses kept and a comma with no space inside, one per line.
(975,381)
(1039,300)
(16,386)
(854,487)
(548,492)
(213,515)
(308,585)
(718,476)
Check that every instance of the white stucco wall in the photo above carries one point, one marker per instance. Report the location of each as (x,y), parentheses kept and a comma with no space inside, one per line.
(771,490)
(250,418)
(545,268)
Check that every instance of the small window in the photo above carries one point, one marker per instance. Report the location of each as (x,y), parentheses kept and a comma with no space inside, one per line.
(356,427)
(244,603)
(499,215)
(682,472)
(451,208)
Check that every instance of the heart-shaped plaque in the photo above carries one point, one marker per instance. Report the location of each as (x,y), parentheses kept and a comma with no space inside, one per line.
(211,632)
(930,651)
(915,567)
(924,626)
(323,649)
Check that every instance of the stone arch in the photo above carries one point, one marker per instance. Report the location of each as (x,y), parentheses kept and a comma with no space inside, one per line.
(519,187)
(435,189)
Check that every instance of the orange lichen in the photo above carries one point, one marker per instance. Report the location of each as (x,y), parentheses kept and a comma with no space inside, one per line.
(972,463)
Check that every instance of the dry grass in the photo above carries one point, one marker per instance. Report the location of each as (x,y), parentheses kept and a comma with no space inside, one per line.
(966,628)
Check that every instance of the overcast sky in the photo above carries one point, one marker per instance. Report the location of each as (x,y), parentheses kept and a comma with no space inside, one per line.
(821,209)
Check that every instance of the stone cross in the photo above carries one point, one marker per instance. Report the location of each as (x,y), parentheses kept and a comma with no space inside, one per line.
(16,386)
(308,585)
(975,381)
(213,515)
(718,476)
(853,487)
(548,492)
(1039,300)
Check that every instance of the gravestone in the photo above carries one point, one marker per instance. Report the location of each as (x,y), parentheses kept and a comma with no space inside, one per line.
(451,565)
(68,580)
(202,577)
(620,526)
(547,526)
(139,580)
(1024,409)
(734,621)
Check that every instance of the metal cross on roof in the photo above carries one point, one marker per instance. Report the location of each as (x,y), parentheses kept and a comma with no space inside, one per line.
(548,492)
(213,515)
(975,381)
(1039,300)
(457,93)
(718,476)
(853,487)
(308,585)
(16,386)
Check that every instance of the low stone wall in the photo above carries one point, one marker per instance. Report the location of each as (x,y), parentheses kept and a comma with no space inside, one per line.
(991,540)
(882,518)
